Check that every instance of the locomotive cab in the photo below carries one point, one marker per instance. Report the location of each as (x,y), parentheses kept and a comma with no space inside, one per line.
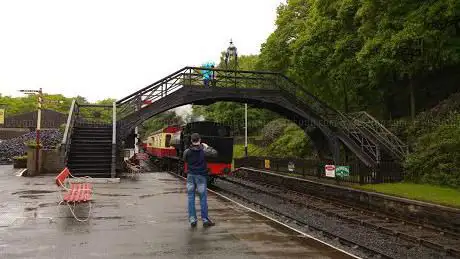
(176,143)
(217,136)
(167,146)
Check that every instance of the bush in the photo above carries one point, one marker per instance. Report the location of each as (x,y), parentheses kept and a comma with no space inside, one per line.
(20,158)
(273,130)
(436,156)
(32,144)
(62,128)
(292,143)
(444,113)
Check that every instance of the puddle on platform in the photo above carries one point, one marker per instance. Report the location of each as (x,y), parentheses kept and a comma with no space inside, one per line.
(108,217)
(43,205)
(159,193)
(31,196)
(175,190)
(147,195)
(106,205)
(167,180)
(111,194)
(33,192)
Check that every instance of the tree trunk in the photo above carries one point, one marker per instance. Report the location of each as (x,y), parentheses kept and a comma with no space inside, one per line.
(345,96)
(412,99)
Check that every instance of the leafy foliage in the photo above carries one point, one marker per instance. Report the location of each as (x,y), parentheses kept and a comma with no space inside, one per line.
(427,121)
(436,156)
(360,55)
(292,143)
(19,105)
(273,130)
(253,150)
(99,114)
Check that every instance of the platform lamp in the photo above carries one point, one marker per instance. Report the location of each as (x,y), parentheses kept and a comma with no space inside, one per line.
(232,51)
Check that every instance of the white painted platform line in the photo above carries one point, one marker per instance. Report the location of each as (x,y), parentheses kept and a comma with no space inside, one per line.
(279,222)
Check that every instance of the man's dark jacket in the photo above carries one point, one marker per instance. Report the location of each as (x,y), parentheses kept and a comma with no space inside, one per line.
(195,155)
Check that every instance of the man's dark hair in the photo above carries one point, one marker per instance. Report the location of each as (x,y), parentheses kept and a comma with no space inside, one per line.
(195,137)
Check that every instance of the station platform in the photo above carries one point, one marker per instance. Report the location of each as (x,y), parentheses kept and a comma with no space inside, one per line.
(144,218)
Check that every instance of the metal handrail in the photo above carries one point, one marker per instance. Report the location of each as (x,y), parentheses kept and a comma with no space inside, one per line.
(66,139)
(114,139)
(69,119)
(367,115)
(188,71)
(381,133)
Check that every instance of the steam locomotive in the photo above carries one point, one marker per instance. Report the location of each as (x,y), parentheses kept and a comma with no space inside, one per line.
(167,146)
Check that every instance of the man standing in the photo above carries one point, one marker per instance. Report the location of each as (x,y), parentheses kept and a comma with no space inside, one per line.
(197,177)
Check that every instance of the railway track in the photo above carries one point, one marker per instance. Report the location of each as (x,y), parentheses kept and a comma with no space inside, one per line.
(447,243)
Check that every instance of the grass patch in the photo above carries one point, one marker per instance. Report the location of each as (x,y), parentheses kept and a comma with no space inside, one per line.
(253,150)
(422,192)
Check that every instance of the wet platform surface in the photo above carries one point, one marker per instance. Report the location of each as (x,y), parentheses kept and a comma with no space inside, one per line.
(144,218)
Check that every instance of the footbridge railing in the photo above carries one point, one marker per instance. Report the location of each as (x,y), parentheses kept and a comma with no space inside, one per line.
(192,76)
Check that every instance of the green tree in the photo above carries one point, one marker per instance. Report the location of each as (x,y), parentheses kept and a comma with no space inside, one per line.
(358,55)
(409,39)
(24,104)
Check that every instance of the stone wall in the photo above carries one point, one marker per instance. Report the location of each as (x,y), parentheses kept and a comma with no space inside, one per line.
(12,133)
(50,162)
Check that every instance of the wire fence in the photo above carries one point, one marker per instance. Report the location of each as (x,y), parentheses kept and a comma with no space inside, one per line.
(358,173)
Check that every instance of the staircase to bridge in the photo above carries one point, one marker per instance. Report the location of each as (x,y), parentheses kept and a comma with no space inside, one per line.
(88,146)
(328,128)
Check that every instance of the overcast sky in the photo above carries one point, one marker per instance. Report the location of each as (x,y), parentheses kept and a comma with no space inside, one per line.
(108,48)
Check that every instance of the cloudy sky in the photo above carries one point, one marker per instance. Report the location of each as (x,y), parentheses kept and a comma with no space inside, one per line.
(108,48)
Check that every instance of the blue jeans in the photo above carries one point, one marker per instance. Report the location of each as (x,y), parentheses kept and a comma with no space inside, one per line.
(206,82)
(198,183)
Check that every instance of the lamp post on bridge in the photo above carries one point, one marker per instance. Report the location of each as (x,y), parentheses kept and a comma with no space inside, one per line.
(232,51)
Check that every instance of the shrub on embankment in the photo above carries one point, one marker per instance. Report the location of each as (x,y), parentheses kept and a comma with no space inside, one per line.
(280,138)
(435,158)
(434,141)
